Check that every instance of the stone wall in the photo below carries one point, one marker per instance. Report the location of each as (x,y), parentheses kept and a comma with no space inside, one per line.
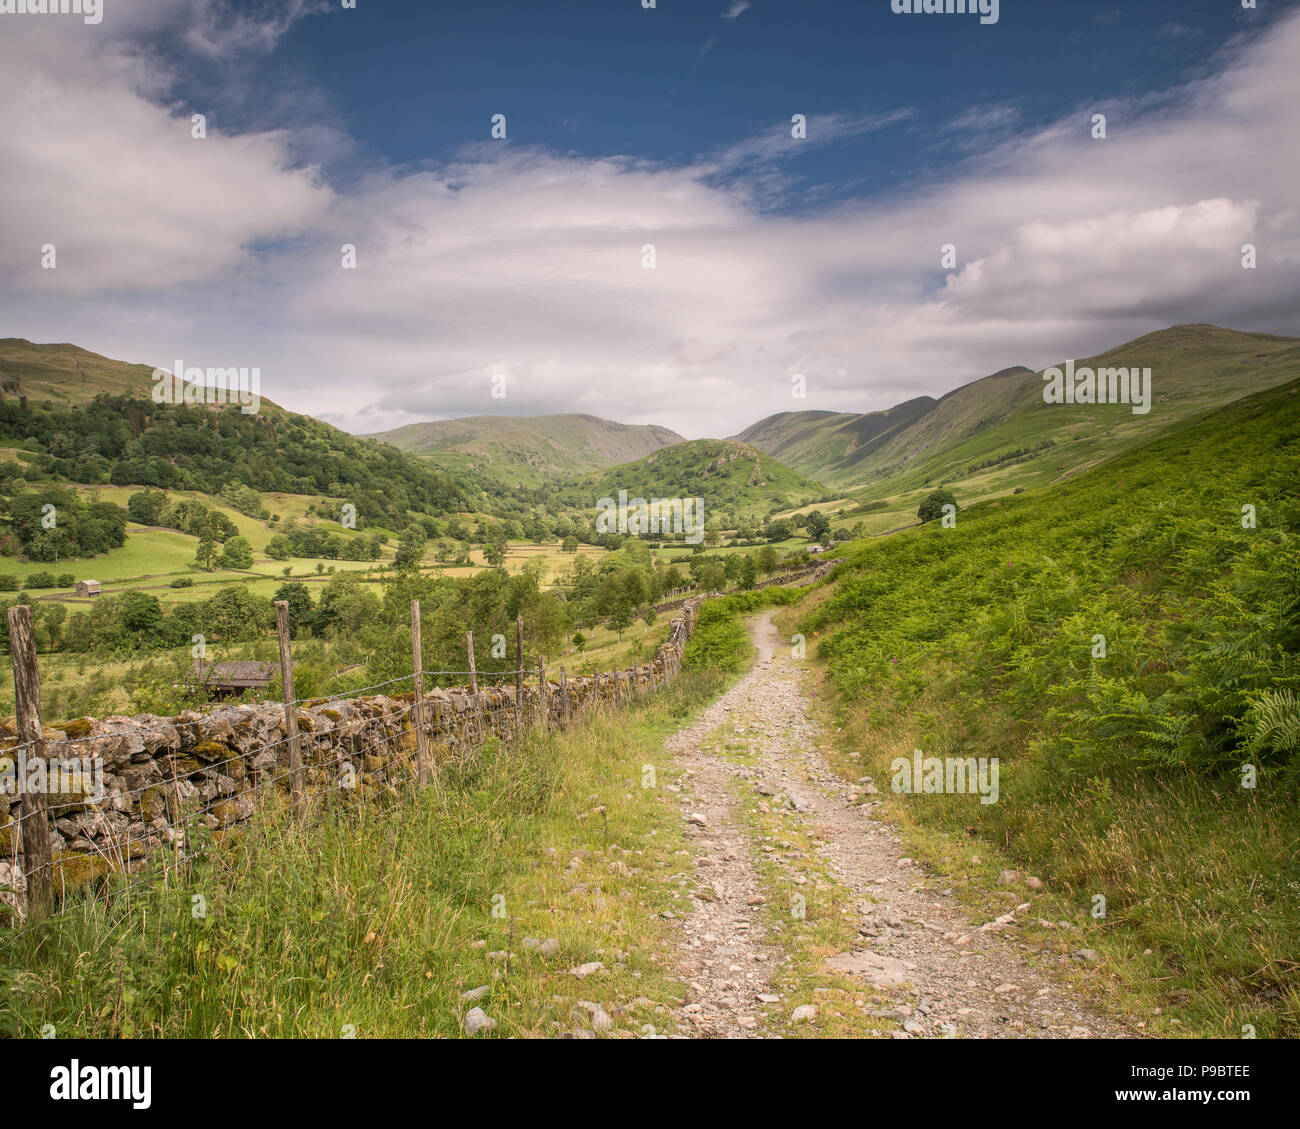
(166,777)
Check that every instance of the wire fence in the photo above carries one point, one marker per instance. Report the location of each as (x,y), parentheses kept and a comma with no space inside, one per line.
(178,782)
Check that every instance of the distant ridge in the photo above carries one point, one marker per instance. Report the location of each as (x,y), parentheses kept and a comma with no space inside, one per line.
(1002,417)
(529,450)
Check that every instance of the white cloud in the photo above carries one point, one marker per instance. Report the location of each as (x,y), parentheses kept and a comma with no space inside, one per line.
(738,8)
(97,165)
(529,263)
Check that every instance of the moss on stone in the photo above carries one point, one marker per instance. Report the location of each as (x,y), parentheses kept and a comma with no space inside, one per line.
(77,727)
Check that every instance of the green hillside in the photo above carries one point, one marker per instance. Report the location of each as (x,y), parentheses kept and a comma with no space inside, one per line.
(66,374)
(735,480)
(997,434)
(1124,644)
(1022,441)
(529,450)
(72,415)
(817,443)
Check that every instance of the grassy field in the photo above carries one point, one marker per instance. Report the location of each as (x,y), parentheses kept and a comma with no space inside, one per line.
(373,923)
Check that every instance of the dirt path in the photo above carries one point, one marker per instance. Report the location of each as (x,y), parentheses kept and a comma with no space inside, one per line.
(929,969)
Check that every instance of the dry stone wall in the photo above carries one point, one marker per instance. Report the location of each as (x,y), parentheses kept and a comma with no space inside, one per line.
(165,777)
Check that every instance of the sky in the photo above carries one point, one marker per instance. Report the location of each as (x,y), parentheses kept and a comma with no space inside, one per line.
(630,127)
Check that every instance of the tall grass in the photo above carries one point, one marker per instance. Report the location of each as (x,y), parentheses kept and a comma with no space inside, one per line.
(373,919)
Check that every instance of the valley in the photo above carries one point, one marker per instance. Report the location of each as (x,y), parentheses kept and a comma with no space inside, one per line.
(944,643)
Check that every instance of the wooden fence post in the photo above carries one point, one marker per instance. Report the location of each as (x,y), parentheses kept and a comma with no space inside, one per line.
(618,697)
(417,665)
(297,778)
(544,693)
(564,695)
(38,865)
(519,673)
(473,685)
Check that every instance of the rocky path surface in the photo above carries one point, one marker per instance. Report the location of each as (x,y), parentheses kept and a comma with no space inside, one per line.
(929,968)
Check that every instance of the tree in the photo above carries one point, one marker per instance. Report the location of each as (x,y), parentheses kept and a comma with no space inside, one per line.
(410,550)
(346,607)
(494,553)
(748,572)
(569,545)
(778,530)
(712,576)
(302,611)
(818,525)
(932,507)
(139,611)
(237,553)
(146,507)
(206,554)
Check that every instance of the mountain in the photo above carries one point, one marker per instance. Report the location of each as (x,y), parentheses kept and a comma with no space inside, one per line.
(66,374)
(997,433)
(822,444)
(737,481)
(70,413)
(529,450)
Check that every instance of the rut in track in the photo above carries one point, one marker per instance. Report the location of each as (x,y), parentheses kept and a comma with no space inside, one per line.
(940,974)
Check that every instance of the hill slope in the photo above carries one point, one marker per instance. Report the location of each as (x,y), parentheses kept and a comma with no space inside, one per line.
(66,374)
(529,450)
(1001,421)
(1125,643)
(73,414)
(737,482)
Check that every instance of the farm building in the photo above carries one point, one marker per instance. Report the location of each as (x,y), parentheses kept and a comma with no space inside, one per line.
(88,588)
(227,678)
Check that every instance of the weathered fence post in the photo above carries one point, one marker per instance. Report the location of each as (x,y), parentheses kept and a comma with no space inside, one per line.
(38,864)
(564,695)
(297,778)
(519,673)
(544,693)
(473,685)
(417,705)
(618,697)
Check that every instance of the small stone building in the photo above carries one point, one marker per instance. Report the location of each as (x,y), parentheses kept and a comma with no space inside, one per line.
(225,679)
(88,588)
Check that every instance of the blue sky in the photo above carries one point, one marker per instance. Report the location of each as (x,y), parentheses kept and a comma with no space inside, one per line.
(629,127)
(414,81)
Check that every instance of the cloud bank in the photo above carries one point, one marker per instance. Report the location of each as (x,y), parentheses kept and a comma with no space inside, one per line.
(508,259)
